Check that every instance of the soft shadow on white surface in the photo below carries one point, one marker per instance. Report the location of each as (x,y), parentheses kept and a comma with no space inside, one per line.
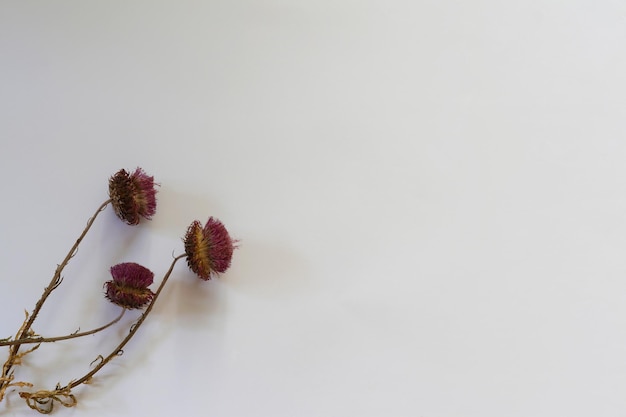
(430,198)
(177,209)
(266,271)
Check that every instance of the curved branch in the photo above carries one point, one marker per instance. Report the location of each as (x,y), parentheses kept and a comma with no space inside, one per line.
(43,400)
(25,329)
(41,339)
(134,328)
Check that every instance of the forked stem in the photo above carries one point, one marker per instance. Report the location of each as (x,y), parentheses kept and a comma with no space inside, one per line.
(7,374)
(43,400)
(41,339)
(131,333)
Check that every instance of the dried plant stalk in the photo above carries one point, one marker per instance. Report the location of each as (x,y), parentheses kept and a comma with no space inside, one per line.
(25,330)
(43,400)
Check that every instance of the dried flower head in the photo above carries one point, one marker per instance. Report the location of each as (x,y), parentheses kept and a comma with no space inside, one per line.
(132,195)
(129,287)
(209,249)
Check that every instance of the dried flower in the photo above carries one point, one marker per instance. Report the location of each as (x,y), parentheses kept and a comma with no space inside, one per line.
(129,287)
(132,195)
(209,249)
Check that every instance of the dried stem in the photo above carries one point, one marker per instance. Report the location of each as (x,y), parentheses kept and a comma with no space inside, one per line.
(43,400)
(132,332)
(40,339)
(25,330)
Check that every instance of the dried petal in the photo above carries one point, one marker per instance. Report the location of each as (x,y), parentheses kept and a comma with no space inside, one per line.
(209,249)
(129,286)
(132,195)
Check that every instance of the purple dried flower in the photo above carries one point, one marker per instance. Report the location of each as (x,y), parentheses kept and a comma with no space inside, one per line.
(129,287)
(132,195)
(209,249)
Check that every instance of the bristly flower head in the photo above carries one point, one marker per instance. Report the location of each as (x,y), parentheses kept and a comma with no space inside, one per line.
(129,287)
(209,249)
(132,195)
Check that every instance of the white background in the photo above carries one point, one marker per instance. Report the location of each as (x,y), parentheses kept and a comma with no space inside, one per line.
(430,198)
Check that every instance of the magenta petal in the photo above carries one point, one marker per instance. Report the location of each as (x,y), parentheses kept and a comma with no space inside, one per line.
(132,275)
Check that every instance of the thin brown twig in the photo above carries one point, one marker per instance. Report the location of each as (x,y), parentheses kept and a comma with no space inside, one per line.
(25,329)
(43,400)
(41,339)
(132,332)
